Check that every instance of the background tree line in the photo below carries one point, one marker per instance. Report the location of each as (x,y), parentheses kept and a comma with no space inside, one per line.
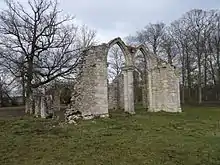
(192,44)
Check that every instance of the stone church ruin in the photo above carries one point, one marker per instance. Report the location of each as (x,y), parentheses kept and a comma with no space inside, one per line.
(94,96)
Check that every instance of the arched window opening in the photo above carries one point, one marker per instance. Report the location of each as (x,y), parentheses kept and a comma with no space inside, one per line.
(115,62)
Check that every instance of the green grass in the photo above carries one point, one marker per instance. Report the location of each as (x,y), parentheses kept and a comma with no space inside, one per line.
(189,138)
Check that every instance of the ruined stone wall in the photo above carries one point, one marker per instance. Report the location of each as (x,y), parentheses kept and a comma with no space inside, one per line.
(164,89)
(173,95)
(44,103)
(91,97)
(101,89)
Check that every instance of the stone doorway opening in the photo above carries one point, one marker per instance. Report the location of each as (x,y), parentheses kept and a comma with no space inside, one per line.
(115,63)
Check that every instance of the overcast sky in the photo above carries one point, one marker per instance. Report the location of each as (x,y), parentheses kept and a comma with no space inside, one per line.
(119,18)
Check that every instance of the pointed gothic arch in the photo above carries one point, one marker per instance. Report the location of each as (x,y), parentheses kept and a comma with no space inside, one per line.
(118,41)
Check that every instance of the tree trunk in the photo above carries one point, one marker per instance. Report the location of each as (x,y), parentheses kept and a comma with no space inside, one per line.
(29,102)
(188,70)
(183,78)
(27,99)
(205,78)
(218,74)
(199,83)
(183,86)
(43,111)
(29,106)
(170,61)
(23,89)
(1,96)
(29,96)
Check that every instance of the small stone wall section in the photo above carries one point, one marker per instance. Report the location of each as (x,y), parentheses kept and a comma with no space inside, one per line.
(164,90)
(116,93)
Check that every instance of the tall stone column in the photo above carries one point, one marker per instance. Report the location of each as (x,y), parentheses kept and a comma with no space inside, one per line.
(125,74)
(144,96)
(128,90)
(130,72)
(149,91)
(144,91)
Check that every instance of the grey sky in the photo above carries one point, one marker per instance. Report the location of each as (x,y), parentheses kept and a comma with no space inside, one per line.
(113,18)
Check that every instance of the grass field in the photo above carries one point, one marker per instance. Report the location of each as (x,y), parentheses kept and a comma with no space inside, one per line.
(189,138)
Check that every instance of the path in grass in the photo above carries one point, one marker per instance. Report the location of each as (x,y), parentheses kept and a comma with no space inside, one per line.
(190,138)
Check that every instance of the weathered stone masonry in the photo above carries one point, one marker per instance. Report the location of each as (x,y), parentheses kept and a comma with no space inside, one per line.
(161,88)
(116,93)
(164,90)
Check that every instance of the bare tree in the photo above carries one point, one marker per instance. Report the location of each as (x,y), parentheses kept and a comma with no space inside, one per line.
(181,38)
(85,36)
(198,22)
(168,45)
(45,40)
(214,49)
(151,35)
(115,61)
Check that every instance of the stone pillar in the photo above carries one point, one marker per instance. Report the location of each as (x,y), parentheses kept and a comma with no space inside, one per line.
(125,74)
(144,96)
(131,90)
(149,90)
(43,112)
(128,90)
(144,91)
(136,87)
